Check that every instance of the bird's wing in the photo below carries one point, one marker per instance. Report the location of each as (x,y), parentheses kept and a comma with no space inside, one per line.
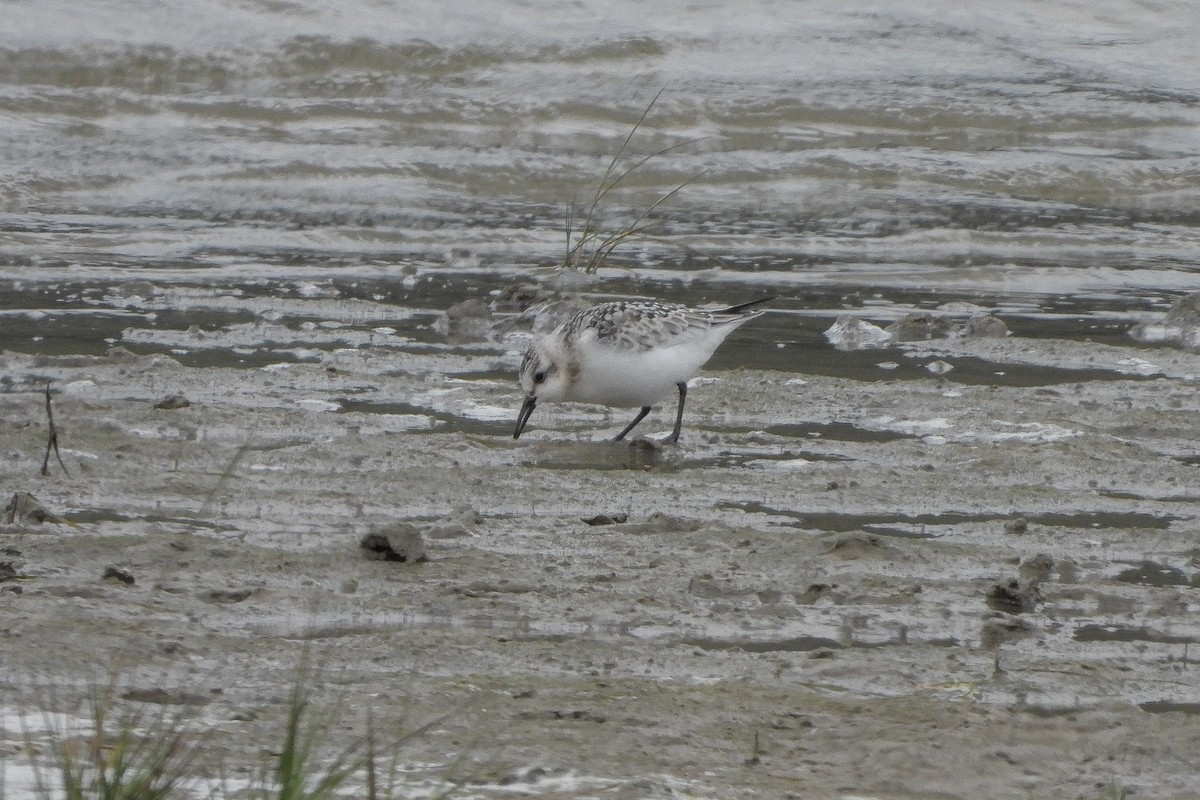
(640,326)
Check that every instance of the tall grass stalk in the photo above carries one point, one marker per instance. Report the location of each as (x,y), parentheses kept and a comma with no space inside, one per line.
(589,246)
(300,774)
(138,756)
(297,774)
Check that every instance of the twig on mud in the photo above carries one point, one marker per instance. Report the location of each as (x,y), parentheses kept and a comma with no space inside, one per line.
(225,475)
(52,441)
(755,754)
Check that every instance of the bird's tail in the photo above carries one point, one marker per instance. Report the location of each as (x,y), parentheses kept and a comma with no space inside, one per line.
(742,308)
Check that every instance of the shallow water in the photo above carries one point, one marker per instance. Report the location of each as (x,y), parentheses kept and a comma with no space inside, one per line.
(1040,163)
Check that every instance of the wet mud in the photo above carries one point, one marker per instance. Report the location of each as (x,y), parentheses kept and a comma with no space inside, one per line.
(903,587)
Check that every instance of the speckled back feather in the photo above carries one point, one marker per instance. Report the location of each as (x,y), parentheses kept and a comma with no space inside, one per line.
(641,325)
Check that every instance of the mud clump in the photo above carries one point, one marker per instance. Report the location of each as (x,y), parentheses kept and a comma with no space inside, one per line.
(815,592)
(1036,569)
(1017,527)
(984,326)
(400,542)
(172,402)
(918,327)
(518,297)
(226,596)
(121,355)
(1013,598)
(119,574)
(857,544)
(606,519)
(468,321)
(658,522)
(1181,326)
(852,333)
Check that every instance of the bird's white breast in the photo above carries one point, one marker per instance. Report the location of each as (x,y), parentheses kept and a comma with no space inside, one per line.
(629,378)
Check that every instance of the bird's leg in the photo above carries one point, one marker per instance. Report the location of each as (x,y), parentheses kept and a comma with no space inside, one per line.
(641,416)
(674,437)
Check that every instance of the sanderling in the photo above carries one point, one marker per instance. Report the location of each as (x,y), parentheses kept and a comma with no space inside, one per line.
(626,354)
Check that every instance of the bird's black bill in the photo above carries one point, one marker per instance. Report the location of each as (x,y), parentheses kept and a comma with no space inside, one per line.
(526,409)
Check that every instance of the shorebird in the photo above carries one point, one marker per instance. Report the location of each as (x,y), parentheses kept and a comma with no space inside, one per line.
(626,354)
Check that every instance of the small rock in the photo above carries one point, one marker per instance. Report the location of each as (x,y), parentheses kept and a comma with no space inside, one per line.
(119,355)
(1181,325)
(228,595)
(852,333)
(462,256)
(1017,526)
(519,296)
(643,454)
(1068,570)
(466,515)
(856,544)
(769,597)
(449,530)
(642,787)
(658,522)
(918,327)
(400,542)
(1037,569)
(1185,313)
(471,308)
(469,320)
(173,401)
(121,574)
(985,326)
(1013,598)
(709,588)
(133,288)
(606,519)
(813,593)
(939,367)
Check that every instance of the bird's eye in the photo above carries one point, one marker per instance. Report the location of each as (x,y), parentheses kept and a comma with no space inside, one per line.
(539,377)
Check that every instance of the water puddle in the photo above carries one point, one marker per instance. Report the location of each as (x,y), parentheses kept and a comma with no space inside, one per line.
(439,421)
(1170,707)
(1119,633)
(606,456)
(836,431)
(251,324)
(916,525)
(1149,573)
(794,644)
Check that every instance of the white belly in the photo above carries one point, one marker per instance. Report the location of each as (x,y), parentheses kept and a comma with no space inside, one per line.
(626,379)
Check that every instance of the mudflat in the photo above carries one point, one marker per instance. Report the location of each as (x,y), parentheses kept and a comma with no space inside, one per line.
(830,588)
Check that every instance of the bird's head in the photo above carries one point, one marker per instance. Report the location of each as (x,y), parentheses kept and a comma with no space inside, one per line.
(542,378)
